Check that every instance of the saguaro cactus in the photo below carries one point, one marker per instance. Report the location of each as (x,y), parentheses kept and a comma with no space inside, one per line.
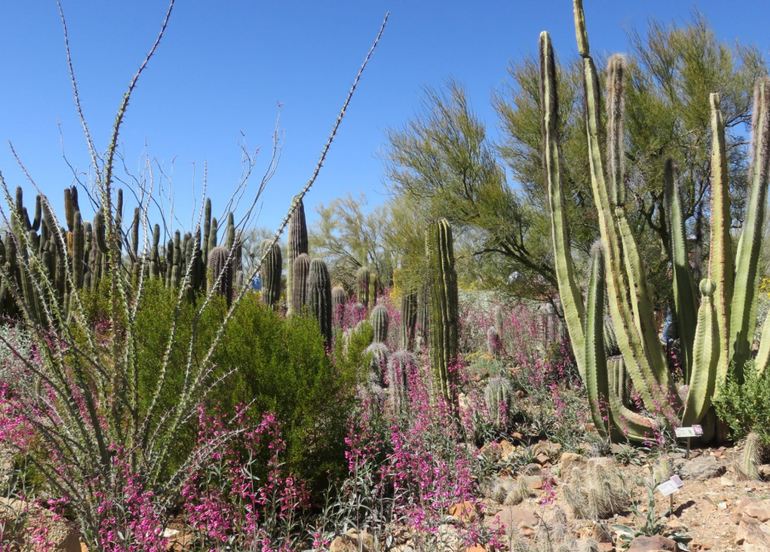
(271,274)
(408,319)
(363,278)
(380,320)
(221,272)
(300,271)
(297,246)
(444,313)
(319,297)
(339,299)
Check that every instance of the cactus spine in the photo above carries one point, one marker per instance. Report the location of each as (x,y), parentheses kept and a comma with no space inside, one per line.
(380,320)
(271,274)
(319,298)
(444,313)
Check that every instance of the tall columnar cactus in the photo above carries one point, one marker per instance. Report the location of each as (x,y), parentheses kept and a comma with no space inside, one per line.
(206,228)
(319,298)
(339,299)
(300,272)
(363,281)
(220,275)
(78,245)
(298,245)
(271,273)
(408,319)
(380,320)
(423,316)
(444,313)
(720,334)
(494,343)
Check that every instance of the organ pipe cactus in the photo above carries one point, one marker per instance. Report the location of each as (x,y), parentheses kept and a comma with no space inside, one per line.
(271,274)
(720,334)
(444,312)
(319,298)
(380,320)
(300,271)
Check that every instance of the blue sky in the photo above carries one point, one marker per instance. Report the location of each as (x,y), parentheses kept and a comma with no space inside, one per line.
(225,68)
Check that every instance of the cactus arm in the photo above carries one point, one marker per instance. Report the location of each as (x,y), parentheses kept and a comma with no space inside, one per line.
(569,291)
(705,358)
(744,301)
(720,255)
(684,287)
(625,422)
(594,359)
(763,355)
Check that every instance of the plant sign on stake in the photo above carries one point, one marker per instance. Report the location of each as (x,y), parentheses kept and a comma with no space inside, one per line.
(688,433)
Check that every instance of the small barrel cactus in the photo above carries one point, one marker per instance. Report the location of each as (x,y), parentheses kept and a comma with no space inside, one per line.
(377,354)
(319,297)
(380,320)
(497,397)
(300,272)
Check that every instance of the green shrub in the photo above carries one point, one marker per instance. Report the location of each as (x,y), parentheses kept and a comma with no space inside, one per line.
(271,363)
(746,407)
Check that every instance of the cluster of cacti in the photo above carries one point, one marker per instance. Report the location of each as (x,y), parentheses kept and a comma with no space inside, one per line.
(299,273)
(444,312)
(86,247)
(715,335)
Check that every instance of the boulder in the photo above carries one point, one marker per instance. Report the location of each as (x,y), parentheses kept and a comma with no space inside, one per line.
(701,468)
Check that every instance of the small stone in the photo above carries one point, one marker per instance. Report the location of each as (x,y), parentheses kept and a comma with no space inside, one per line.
(542,458)
(532,469)
(526,531)
(702,468)
(726,481)
(757,509)
(463,511)
(652,544)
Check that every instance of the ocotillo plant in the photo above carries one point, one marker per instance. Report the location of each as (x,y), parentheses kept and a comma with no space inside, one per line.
(363,278)
(319,298)
(271,273)
(300,271)
(297,246)
(720,335)
(443,313)
(379,320)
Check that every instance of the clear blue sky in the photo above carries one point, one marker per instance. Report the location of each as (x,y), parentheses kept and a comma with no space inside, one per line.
(226,66)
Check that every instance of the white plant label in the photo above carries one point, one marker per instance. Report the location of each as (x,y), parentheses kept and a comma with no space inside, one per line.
(676,480)
(687,432)
(667,488)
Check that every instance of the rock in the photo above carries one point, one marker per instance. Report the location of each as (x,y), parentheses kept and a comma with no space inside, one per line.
(652,544)
(464,512)
(532,469)
(701,468)
(757,509)
(764,471)
(58,533)
(491,451)
(475,548)
(542,458)
(506,450)
(549,449)
(448,538)
(753,534)
(512,519)
(353,541)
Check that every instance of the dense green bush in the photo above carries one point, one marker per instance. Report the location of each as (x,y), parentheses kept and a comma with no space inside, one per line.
(745,407)
(274,364)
